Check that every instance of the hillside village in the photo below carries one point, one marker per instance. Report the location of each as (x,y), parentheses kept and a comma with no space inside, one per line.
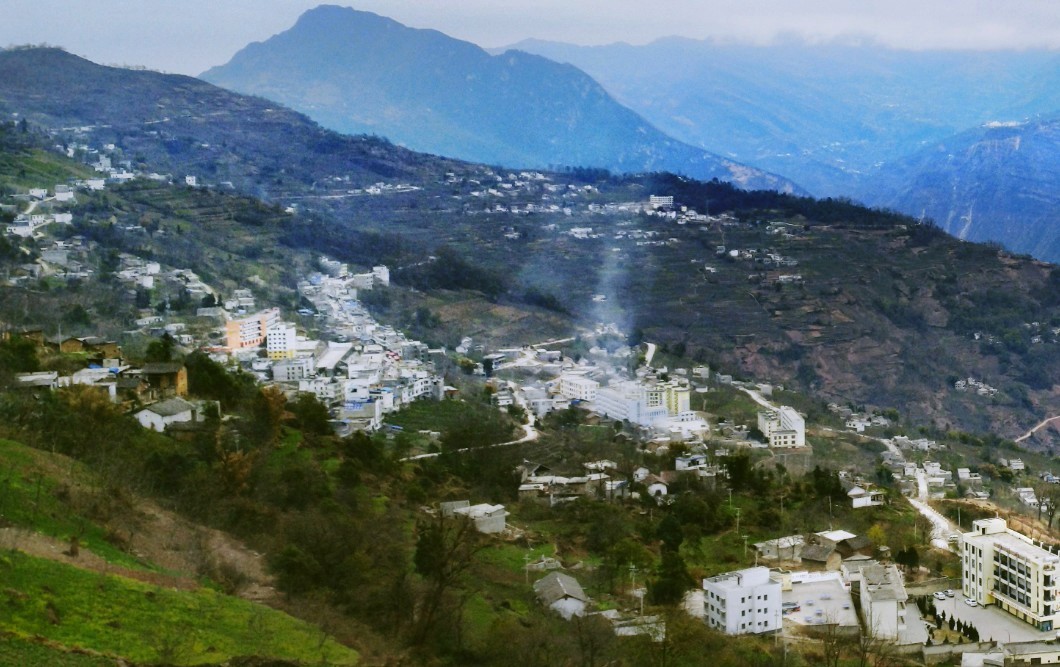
(816,583)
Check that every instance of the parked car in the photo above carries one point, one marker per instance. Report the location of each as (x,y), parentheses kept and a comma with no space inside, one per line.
(950,592)
(939,595)
(970,602)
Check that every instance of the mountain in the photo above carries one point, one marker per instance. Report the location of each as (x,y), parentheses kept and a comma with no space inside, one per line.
(825,115)
(999,182)
(185,125)
(358,72)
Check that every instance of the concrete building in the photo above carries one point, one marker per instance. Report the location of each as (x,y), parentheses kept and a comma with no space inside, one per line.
(280,341)
(783,428)
(632,401)
(658,201)
(292,370)
(578,387)
(250,331)
(883,599)
(1002,567)
(743,602)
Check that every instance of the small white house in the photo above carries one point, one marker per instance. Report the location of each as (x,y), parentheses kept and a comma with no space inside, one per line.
(561,593)
(487,518)
(860,497)
(170,411)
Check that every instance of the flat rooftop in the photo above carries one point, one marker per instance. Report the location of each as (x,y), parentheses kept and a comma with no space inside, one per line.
(1016,545)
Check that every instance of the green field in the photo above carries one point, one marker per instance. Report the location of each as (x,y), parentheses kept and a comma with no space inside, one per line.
(16,650)
(146,623)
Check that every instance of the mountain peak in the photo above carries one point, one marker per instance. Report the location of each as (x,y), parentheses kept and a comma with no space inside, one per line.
(358,72)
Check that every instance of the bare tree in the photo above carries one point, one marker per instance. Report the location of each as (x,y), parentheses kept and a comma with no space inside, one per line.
(445,552)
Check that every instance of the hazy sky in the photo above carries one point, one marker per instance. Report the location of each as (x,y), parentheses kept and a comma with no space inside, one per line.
(189,36)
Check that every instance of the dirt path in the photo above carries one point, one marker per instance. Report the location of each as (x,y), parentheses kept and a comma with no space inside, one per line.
(42,546)
(185,552)
(1034,430)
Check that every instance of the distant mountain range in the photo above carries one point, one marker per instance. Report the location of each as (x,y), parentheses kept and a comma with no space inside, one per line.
(823,115)
(925,132)
(997,182)
(358,72)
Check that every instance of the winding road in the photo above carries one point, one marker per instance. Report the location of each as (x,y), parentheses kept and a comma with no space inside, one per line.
(1034,430)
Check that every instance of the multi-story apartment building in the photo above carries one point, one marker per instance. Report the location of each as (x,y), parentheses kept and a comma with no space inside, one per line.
(578,387)
(743,602)
(783,427)
(883,599)
(250,331)
(1002,567)
(280,341)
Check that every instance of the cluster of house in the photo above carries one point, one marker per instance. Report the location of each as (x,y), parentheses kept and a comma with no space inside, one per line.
(646,401)
(361,380)
(63,258)
(978,386)
(26,225)
(370,371)
(759,600)
(156,390)
(601,479)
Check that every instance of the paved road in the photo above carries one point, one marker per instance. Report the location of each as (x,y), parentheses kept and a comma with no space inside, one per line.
(530,433)
(757,398)
(650,354)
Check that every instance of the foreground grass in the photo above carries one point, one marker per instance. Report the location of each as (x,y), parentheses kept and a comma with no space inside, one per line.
(26,653)
(146,623)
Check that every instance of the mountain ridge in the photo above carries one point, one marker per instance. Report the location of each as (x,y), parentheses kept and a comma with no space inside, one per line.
(359,72)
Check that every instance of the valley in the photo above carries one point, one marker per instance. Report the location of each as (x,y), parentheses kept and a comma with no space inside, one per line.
(272,395)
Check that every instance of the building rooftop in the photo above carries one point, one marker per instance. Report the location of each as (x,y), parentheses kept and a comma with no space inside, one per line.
(170,407)
(752,576)
(836,535)
(556,586)
(996,531)
(884,582)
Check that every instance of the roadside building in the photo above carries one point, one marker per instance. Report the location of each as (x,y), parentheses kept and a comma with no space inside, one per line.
(1005,568)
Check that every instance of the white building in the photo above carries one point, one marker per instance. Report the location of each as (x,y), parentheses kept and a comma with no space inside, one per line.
(382,275)
(883,599)
(657,201)
(160,415)
(860,497)
(578,387)
(292,370)
(630,401)
(487,518)
(743,602)
(280,341)
(783,428)
(1002,567)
